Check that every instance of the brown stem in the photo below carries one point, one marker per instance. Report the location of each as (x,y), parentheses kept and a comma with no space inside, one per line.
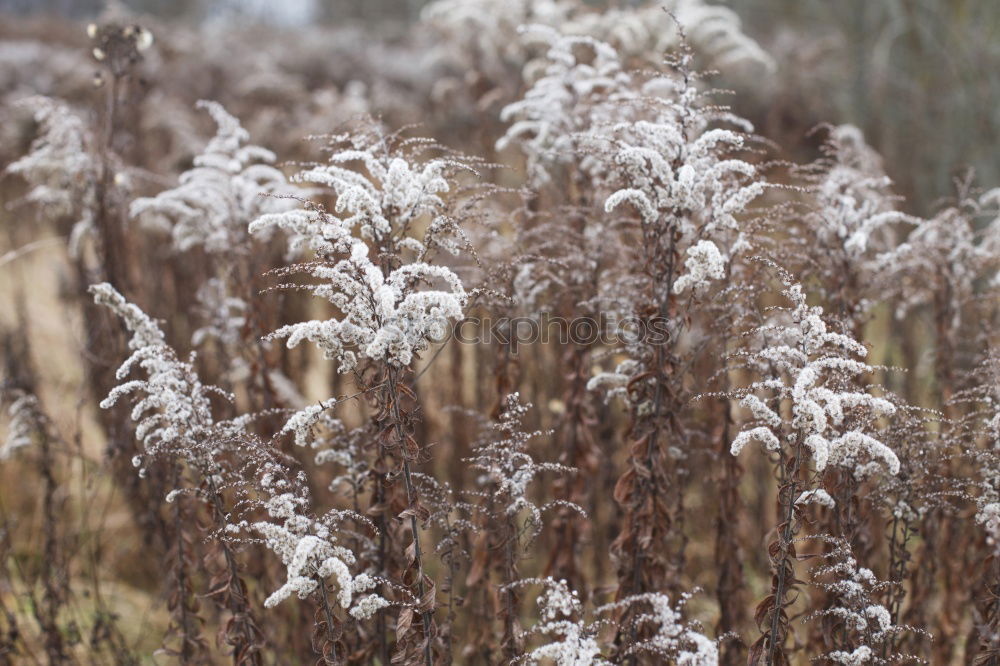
(238,603)
(410,501)
(330,636)
(789,484)
(510,601)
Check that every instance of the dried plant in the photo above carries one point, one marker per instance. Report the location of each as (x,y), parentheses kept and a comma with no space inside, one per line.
(347,470)
(811,369)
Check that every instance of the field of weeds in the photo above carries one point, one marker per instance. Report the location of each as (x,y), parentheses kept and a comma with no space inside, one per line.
(500,332)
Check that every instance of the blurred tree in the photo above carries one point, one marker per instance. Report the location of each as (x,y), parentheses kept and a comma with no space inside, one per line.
(920,77)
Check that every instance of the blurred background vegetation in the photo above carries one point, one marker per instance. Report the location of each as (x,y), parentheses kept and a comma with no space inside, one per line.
(920,77)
